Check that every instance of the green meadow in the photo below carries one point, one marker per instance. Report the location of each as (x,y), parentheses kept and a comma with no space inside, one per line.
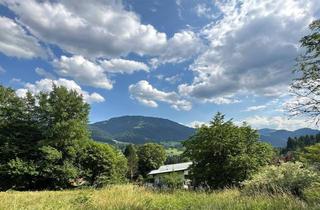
(135,197)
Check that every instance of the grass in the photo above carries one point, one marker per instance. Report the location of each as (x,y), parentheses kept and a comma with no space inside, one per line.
(134,197)
(173,151)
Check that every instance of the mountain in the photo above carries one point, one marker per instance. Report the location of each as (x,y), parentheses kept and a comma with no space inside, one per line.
(139,129)
(278,138)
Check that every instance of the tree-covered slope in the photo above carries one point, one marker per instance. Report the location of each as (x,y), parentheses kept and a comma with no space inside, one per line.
(278,138)
(139,129)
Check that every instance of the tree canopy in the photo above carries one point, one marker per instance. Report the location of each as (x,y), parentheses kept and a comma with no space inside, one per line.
(225,154)
(45,143)
(151,156)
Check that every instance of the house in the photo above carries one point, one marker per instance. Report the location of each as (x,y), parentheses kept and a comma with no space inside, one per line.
(180,168)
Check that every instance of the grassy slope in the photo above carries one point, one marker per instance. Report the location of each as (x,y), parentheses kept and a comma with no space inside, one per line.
(132,197)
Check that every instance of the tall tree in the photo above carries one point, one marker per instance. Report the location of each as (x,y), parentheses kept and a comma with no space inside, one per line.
(224,154)
(151,156)
(307,86)
(131,154)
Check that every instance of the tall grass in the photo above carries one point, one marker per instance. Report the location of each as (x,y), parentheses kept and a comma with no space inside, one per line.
(134,197)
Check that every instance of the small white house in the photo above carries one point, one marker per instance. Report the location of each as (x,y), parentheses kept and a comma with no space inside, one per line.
(180,168)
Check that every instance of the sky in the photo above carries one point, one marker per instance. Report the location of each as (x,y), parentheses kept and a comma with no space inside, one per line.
(182,60)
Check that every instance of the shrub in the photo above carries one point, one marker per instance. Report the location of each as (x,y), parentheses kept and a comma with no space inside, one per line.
(312,194)
(172,181)
(289,177)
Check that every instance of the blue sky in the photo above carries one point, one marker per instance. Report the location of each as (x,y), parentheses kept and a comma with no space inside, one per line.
(183,60)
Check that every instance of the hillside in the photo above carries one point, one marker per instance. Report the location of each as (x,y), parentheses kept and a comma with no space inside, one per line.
(139,129)
(278,138)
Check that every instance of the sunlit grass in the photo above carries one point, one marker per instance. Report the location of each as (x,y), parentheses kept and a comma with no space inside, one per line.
(134,197)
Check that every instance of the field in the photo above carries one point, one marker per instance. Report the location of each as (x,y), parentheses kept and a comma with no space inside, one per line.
(134,197)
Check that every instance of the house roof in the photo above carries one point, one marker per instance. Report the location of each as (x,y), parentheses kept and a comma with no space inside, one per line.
(171,168)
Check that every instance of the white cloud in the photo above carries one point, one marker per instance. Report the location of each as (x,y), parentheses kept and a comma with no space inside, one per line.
(170,79)
(256,108)
(43,73)
(181,47)
(90,28)
(196,124)
(278,122)
(118,65)
(45,85)
(203,10)
(82,71)
(149,96)
(251,49)
(14,41)
(221,100)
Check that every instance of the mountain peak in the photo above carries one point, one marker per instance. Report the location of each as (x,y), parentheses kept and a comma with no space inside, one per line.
(140,129)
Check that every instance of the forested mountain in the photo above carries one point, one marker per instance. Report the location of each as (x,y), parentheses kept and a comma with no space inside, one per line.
(278,138)
(140,129)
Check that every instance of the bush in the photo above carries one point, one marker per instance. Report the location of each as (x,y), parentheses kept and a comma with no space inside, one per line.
(292,178)
(172,181)
(312,194)
(102,164)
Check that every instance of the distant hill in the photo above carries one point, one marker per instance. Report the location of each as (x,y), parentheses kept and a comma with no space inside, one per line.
(278,138)
(139,129)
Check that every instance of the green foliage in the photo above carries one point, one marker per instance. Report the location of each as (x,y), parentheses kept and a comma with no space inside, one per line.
(288,177)
(151,156)
(42,139)
(131,154)
(224,154)
(172,180)
(100,164)
(311,155)
(312,194)
(298,143)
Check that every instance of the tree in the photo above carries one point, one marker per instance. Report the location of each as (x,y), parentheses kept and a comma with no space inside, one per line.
(311,155)
(131,154)
(45,143)
(306,88)
(99,164)
(151,156)
(224,154)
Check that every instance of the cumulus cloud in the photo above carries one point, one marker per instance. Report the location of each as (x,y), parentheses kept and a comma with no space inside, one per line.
(118,65)
(91,28)
(251,48)
(278,122)
(95,73)
(45,85)
(82,71)
(181,47)
(146,94)
(14,41)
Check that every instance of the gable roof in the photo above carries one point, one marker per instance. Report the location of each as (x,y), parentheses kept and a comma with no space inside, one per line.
(171,168)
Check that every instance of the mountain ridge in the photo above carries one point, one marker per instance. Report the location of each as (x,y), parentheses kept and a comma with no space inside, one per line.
(139,129)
